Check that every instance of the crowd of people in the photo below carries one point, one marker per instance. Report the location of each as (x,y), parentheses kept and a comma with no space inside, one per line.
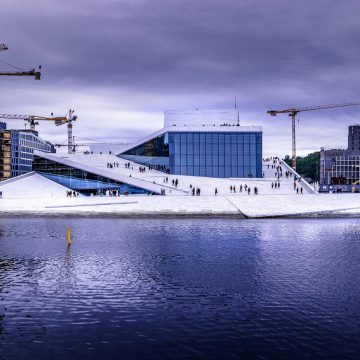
(246,188)
(159,168)
(113,193)
(275,185)
(72,193)
(112,165)
(273,163)
(297,187)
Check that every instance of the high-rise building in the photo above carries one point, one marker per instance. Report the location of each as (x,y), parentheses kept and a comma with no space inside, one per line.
(17,151)
(354,137)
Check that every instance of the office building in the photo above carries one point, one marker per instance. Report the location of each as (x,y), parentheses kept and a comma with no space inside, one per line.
(340,169)
(17,151)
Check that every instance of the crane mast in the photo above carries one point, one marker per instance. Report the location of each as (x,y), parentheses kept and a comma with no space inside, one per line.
(294,111)
(70,118)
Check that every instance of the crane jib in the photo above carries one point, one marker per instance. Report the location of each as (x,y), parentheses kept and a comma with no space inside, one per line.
(294,111)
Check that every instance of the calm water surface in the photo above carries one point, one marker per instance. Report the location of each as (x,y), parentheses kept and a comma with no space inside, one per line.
(179,289)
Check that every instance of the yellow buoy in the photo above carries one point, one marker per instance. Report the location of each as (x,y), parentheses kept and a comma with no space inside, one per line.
(68,235)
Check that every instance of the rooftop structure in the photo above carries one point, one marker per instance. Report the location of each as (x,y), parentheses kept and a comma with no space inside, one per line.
(196,118)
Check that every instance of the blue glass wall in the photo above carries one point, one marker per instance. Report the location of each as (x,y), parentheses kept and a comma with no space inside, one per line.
(154,153)
(216,154)
(82,181)
(212,154)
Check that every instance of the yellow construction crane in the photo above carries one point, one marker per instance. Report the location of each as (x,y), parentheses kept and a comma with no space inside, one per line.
(33,72)
(294,111)
(33,121)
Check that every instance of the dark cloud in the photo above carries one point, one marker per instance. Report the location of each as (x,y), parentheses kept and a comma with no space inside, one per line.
(121,63)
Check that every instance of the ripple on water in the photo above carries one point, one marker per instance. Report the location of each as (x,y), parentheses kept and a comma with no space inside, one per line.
(179,288)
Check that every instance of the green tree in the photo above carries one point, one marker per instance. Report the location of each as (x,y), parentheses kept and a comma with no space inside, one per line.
(307,166)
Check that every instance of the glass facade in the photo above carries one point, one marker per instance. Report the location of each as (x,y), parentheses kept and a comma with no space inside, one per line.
(211,154)
(154,152)
(23,145)
(216,154)
(82,181)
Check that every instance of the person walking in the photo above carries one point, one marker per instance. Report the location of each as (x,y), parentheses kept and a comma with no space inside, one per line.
(216,191)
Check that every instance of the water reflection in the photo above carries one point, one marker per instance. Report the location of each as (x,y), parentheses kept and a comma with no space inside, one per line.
(178,288)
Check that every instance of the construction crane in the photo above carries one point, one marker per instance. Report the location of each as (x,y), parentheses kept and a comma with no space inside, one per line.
(33,72)
(70,118)
(294,111)
(33,121)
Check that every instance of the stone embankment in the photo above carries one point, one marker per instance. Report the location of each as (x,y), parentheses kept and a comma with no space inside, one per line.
(252,206)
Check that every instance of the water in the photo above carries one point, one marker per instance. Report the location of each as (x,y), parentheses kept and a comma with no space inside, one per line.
(179,289)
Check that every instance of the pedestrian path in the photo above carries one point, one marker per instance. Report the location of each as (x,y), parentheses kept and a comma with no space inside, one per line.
(225,187)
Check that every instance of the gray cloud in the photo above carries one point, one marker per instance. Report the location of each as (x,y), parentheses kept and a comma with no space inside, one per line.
(121,63)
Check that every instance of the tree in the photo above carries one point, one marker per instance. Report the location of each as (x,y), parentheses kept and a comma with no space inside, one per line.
(307,166)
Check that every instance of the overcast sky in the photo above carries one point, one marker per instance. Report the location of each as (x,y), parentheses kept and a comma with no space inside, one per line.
(121,63)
